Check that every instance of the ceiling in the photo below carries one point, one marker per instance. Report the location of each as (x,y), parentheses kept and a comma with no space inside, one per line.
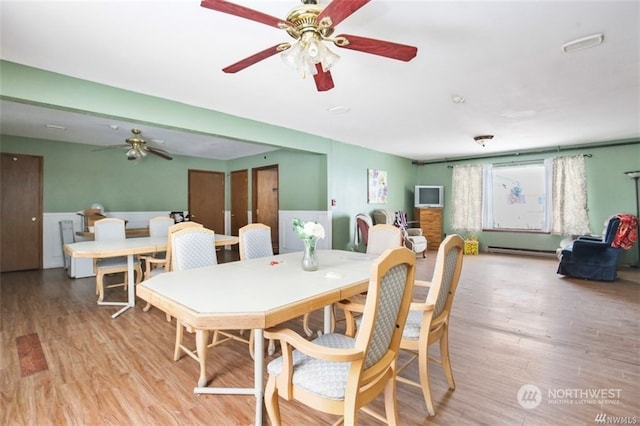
(505,59)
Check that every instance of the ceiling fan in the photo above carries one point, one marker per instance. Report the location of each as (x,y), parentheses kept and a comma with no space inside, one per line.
(311,25)
(137,147)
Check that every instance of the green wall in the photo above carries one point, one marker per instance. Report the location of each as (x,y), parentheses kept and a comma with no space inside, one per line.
(348,186)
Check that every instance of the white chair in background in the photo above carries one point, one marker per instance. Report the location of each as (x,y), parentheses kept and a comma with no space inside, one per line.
(413,238)
(254,241)
(158,227)
(380,238)
(383,237)
(112,229)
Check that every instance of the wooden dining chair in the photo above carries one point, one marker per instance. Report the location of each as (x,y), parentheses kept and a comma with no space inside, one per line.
(157,265)
(338,374)
(428,322)
(195,247)
(112,229)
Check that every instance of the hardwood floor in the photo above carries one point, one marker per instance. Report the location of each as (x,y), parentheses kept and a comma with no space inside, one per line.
(514,323)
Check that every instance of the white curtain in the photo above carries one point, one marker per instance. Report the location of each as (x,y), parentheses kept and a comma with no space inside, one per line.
(466,194)
(569,196)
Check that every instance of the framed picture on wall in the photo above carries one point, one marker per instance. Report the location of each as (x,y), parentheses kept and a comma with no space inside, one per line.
(377,186)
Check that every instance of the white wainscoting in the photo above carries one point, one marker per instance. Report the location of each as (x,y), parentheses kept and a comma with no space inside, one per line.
(289,240)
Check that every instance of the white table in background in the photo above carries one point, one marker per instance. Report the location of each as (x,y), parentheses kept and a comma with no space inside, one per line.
(128,247)
(254,294)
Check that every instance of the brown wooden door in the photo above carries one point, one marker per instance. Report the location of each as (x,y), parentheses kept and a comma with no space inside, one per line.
(239,200)
(21,212)
(206,199)
(266,202)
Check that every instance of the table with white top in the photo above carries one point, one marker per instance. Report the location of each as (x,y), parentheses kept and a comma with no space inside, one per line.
(254,294)
(129,247)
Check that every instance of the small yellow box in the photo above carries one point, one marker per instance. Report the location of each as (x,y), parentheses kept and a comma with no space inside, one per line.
(470,247)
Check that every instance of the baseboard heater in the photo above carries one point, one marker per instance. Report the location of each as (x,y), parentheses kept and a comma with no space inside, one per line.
(529,252)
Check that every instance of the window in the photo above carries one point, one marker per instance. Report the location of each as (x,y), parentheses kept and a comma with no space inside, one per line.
(540,196)
(516,197)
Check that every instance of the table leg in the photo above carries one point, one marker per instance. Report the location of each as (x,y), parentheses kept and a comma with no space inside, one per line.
(131,290)
(258,372)
(202,338)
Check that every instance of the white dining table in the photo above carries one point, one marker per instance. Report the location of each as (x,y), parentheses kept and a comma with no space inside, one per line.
(254,294)
(129,247)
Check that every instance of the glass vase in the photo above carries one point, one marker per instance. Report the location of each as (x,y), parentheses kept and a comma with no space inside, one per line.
(310,258)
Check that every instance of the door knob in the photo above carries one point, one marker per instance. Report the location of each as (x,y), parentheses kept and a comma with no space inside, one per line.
(33,219)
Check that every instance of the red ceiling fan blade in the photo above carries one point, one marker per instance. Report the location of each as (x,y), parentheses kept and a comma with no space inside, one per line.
(323,79)
(244,12)
(401,52)
(246,62)
(338,10)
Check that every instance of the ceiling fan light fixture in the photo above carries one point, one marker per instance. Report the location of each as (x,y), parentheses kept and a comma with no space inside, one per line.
(308,51)
(132,154)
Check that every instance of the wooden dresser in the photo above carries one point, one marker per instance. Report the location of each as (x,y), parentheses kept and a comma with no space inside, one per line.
(430,221)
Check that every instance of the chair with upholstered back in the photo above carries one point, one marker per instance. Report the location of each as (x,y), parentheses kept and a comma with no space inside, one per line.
(112,229)
(428,322)
(159,226)
(157,265)
(338,374)
(382,237)
(255,241)
(195,247)
(412,237)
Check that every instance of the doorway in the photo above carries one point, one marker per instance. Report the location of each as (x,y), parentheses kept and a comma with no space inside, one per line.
(266,203)
(21,212)
(239,194)
(206,199)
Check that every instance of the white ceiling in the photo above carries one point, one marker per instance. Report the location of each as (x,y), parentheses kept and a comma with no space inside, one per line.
(504,57)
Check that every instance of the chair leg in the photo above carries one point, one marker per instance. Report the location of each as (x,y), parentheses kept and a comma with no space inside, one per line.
(423,368)
(444,355)
(271,401)
(100,286)
(390,402)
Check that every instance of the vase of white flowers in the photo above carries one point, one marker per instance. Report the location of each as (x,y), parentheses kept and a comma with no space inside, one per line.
(309,233)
